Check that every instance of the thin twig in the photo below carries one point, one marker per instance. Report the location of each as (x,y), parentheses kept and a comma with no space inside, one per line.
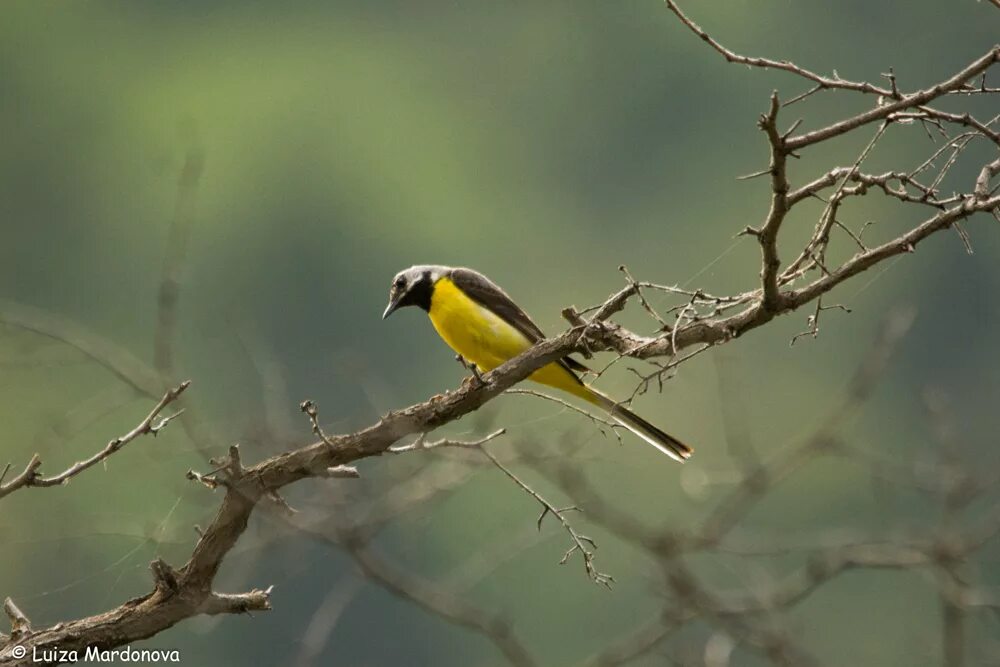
(149,425)
(585,545)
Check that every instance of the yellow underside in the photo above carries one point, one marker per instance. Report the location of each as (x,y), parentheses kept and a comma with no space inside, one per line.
(487,340)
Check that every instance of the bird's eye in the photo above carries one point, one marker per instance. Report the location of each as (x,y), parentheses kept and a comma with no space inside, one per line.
(399,282)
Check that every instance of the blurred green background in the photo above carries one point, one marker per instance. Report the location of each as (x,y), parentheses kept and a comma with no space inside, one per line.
(543,144)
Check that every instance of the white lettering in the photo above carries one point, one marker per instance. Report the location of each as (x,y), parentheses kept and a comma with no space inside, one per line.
(129,654)
(53,655)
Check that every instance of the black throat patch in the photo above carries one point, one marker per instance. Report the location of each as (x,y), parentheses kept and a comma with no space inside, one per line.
(419,293)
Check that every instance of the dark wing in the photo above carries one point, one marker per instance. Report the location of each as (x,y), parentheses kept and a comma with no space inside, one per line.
(488,294)
(483,291)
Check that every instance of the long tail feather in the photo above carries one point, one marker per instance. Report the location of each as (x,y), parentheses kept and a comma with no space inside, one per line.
(664,442)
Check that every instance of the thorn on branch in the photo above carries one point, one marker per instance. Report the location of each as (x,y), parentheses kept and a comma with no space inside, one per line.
(225,465)
(280,503)
(229,466)
(964,235)
(168,398)
(20,626)
(756,174)
(891,76)
(158,426)
(634,287)
(801,96)
(309,408)
(812,322)
(794,126)
(207,479)
(546,510)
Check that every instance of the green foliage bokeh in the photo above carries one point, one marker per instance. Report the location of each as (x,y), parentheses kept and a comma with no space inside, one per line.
(541,143)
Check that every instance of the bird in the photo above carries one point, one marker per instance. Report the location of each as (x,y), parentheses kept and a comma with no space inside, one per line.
(486,328)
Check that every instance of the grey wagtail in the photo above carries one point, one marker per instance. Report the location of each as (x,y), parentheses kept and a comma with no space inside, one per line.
(486,328)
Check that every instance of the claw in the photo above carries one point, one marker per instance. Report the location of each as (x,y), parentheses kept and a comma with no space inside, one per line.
(476,380)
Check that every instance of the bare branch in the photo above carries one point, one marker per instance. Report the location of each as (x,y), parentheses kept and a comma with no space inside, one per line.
(699,321)
(309,408)
(956,82)
(150,425)
(821,82)
(421,443)
(585,545)
(768,236)
(20,626)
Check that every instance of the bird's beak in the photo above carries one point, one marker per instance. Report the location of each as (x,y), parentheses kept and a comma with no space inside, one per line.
(393,305)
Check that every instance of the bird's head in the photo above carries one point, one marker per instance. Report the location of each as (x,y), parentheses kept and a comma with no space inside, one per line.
(413,287)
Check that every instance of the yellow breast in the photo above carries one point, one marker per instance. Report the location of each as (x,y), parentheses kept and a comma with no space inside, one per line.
(486,340)
(472,330)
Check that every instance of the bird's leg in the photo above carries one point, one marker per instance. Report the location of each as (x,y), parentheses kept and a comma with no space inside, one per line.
(477,377)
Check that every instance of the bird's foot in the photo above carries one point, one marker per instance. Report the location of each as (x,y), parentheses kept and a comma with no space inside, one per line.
(476,379)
